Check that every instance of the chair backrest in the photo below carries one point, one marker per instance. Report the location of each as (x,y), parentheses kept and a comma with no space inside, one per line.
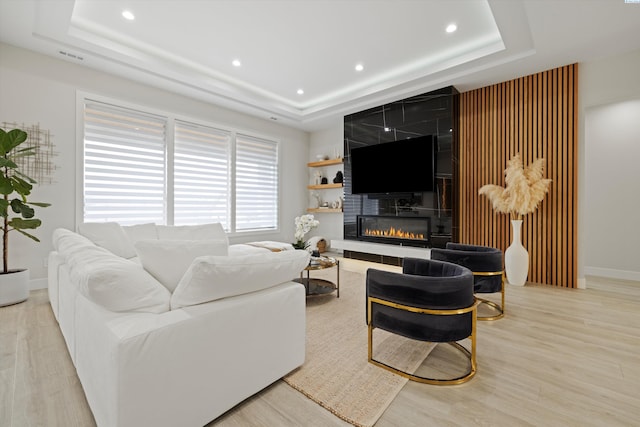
(479,259)
(424,284)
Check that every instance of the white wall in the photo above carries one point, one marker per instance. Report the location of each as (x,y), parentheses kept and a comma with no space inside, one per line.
(612,202)
(609,197)
(35,88)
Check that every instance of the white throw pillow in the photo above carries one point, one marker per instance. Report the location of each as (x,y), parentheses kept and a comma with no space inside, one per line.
(167,260)
(110,236)
(213,231)
(214,277)
(112,282)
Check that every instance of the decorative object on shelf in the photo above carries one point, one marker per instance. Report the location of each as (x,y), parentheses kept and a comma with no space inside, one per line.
(15,186)
(337,204)
(524,190)
(339,178)
(317,200)
(324,181)
(317,178)
(304,224)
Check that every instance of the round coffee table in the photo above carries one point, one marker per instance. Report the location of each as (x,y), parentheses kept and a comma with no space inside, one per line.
(321,286)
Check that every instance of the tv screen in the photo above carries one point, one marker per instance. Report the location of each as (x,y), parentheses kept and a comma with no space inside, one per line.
(401,166)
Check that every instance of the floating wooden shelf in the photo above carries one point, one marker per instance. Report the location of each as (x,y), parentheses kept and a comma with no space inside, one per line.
(322,163)
(327,210)
(324,186)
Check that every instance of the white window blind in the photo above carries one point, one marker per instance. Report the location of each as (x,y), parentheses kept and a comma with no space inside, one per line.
(256,184)
(124,165)
(142,167)
(202,193)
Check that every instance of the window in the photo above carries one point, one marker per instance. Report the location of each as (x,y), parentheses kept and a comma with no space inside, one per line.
(256,184)
(201,175)
(141,168)
(124,166)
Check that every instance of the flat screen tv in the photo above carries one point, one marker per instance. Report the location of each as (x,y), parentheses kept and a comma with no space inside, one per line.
(401,166)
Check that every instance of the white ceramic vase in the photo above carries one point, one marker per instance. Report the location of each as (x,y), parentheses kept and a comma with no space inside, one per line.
(516,257)
(14,287)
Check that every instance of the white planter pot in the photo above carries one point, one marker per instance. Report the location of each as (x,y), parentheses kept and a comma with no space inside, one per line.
(516,257)
(14,287)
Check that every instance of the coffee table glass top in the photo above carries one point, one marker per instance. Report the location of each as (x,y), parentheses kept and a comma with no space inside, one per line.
(321,262)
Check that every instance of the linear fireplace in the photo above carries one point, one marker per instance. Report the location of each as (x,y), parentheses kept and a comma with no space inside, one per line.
(398,230)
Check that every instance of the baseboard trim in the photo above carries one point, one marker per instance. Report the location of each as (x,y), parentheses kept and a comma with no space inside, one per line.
(612,273)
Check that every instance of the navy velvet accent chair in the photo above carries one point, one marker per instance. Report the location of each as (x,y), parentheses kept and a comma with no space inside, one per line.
(486,264)
(430,301)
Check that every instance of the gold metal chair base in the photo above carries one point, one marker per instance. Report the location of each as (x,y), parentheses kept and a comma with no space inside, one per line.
(470,354)
(434,381)
(494,306)
(498,308)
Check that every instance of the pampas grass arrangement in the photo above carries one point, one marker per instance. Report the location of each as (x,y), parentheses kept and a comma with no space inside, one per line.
(525,188)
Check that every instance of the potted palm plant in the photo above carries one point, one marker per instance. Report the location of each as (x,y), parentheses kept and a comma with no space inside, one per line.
(16,211)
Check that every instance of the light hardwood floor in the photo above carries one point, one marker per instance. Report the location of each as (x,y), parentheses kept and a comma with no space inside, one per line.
(560,357)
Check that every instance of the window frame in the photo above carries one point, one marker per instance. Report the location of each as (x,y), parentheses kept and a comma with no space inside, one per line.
(171,117)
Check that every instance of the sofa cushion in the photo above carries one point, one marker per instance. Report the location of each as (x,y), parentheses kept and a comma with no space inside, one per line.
(214,277)
(141,232)
(108,280)
(213,231)
(167,260)
(108,235)
(121,285)
(66,241)
(244,249)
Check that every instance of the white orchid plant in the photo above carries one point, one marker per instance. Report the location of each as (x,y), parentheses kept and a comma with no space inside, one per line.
(304,224)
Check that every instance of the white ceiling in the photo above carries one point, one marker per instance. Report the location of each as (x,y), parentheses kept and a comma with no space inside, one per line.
(188,46)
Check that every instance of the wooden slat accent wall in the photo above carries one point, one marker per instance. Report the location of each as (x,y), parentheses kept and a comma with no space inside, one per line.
(537,116)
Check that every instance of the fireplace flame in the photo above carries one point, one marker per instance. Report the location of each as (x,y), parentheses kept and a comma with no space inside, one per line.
(393,232)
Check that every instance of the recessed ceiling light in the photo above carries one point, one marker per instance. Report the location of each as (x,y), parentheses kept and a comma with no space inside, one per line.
(127,14)
(359,67)
(300,92)
(451,28)
(236,63)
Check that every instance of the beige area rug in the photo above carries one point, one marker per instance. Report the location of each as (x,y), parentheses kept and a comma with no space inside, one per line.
(336,373)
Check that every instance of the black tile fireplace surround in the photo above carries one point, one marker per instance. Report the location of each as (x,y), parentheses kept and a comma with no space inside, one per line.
(434,212)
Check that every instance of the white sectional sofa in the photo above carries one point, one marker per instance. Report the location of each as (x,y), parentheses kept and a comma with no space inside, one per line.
(171,326)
